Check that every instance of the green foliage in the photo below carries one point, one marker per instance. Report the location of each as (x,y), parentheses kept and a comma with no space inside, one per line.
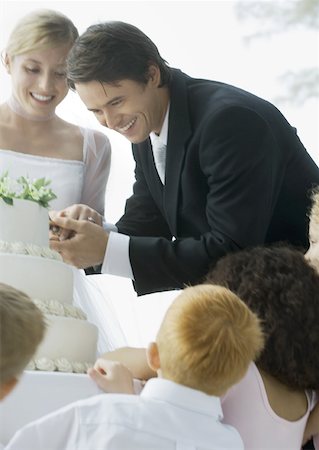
(23,188)
(277,16)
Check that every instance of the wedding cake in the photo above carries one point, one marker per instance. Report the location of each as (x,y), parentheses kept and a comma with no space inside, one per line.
(28,264)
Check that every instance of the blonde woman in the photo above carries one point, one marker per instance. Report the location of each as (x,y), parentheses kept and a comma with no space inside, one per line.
(36,142)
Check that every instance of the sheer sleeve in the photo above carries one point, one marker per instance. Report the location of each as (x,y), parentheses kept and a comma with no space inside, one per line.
(97,160)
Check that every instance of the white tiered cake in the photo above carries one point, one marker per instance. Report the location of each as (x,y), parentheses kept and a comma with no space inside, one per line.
(28,264)
(70,343)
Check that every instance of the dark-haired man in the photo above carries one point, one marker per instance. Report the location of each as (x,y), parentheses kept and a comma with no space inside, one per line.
(217,168)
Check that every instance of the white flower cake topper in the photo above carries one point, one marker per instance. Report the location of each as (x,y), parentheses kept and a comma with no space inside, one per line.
(23,188)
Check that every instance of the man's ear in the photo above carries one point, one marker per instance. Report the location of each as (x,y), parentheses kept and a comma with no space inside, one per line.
(153,357)
(7,387)
(154,75)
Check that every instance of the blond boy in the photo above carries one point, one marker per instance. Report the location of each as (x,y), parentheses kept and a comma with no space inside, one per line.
(206,341)
(21,330)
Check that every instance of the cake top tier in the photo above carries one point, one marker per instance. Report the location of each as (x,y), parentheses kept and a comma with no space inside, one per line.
(24,221)
(23,210)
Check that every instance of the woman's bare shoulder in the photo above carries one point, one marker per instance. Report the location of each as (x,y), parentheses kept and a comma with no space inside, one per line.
(65,126)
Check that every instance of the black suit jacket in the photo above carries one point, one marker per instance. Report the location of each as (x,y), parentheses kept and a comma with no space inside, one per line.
(237,175)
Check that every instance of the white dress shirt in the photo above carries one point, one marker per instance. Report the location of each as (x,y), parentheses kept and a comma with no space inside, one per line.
(159,144)
(165,416)
(116,258)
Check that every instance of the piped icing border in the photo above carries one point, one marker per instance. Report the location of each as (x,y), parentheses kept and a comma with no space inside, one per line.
(21,248)
(56,308)
(58,365)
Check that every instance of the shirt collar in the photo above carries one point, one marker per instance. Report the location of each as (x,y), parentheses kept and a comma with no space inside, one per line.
(162,137)
(183,396)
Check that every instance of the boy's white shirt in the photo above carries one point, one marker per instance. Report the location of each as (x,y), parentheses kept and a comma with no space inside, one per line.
(165,415)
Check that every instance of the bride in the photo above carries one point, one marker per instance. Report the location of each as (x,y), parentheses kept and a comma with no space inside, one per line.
(36,143)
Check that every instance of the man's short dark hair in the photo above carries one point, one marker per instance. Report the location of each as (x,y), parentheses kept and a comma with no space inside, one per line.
(279,286)
(113,51)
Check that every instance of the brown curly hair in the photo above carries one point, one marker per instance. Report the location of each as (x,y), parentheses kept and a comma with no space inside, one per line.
(279,286)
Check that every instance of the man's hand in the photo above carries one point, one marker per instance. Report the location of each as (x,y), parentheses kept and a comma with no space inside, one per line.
(112,377)
(76,212)
(87,245)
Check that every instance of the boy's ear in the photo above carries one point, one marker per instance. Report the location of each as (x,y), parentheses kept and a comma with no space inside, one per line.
(7,387)
(153,357)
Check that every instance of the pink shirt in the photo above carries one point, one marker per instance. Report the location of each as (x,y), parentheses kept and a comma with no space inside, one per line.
(246,407)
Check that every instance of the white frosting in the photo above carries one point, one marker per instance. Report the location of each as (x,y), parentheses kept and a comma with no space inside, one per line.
(72,339)
(59,309)
(31,365)
(21,248)
(63,365)
(45,364)
(59,365)
(80,367)
(28,264)
(40,278)
(24,221)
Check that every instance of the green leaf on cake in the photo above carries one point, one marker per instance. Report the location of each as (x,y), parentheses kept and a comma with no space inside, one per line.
(23,188)
(7,200)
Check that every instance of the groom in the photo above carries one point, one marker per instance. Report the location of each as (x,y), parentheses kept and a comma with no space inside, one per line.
(217,168)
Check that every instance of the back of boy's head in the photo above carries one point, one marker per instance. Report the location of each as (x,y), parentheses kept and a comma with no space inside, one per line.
(207,339)
(280,286)
(22,328)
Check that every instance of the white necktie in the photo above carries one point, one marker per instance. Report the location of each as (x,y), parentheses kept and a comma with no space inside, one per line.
(159,153)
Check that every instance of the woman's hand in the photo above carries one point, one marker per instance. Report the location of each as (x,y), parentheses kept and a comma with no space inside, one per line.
(75,212)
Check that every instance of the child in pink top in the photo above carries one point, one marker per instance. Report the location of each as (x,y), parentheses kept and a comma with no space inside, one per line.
(270,406)
(248,408)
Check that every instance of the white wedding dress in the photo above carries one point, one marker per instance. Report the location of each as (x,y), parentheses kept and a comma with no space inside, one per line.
(77,182)
(71,181)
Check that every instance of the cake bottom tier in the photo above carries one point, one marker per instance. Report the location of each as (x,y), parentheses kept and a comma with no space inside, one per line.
(39,393)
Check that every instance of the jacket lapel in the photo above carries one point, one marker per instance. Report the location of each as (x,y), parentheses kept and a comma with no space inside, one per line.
(179,130)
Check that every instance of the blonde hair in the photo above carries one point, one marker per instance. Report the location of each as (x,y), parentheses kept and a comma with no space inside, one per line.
(39,30)
(208,338)
(22,328)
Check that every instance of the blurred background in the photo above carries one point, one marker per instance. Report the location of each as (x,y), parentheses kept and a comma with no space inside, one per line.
(270,48)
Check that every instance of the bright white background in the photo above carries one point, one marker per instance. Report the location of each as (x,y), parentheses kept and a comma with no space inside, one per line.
(205,39)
